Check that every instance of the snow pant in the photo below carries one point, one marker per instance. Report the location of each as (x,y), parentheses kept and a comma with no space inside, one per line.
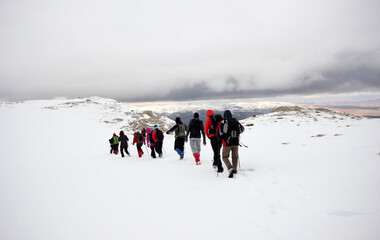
(139,150)
(115,148)
(216,145)
(195,144)
(235,156)
(158,147)
(122,149)
(153,153)
(179,144)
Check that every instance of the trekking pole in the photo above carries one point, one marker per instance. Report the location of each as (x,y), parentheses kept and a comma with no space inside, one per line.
(242,145)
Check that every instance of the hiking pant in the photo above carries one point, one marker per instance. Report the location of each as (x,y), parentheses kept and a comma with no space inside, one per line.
(235,156)
(216,145)
(195,144)
(125,148)
(153,153)
(158,147)
(115,148)
(139,150)
(179,144)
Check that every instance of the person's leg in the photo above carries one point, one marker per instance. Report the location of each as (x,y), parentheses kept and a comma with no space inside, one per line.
(226,155)
(235,157)
(122,151)
(215,143)
(153,154)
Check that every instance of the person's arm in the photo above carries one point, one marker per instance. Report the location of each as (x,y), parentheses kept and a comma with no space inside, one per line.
(207,126)
(172,129)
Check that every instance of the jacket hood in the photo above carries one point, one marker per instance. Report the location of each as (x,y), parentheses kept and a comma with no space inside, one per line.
(227,114)
(209,113)
(148,130)
(178,120)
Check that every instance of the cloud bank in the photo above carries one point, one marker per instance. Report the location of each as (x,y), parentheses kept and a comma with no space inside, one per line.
(174,50)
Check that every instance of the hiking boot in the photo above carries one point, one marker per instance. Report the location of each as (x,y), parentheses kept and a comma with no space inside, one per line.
(160,155)
(181,157)
(220,169)
(198,163)
(231,173)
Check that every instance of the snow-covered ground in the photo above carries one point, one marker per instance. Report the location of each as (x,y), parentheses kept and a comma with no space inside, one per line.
(307,174)
(216,105)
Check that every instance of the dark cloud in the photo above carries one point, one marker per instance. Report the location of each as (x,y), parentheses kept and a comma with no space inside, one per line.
(346,78)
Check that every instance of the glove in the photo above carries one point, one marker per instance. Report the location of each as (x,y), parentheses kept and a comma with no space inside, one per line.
(167,132)
(204,142)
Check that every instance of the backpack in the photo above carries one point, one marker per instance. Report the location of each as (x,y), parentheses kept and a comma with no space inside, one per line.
(140,138)
(159,135)
(181,131)
(231,130)
(215,120)
(115,140)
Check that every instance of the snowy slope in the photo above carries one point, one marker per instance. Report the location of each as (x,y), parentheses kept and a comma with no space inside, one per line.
(216,105)
(311,175)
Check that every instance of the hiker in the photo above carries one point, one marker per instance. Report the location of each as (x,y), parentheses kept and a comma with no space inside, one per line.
(195,129)
(111,145)
(114,141)
(229,131)
(139,140)
(150,142)
(211,124)
(158,138)
(180,134)
(143,132)
(123,144)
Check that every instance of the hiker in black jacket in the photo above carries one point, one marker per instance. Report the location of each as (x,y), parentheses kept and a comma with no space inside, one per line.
(195,130)
(180,135)
(123,143)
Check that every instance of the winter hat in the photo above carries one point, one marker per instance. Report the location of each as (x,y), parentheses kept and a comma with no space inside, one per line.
(114,134)
(178,120)
(196,115)
(155,127)
(210,113)
(227,114)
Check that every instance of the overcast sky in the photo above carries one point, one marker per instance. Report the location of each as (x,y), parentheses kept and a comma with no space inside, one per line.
(150,50)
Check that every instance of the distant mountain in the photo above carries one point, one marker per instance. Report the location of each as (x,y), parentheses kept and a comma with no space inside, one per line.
(370,108)
(186,110)
(112,113)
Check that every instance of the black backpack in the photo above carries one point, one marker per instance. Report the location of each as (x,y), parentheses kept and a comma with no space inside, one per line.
(160,135)
(231,130)
(215,120)
(140,138)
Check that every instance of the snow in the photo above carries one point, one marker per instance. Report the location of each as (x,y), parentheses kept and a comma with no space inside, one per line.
(219,105)
(303,176)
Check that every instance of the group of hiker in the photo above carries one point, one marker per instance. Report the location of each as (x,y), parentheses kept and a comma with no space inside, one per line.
(222,131)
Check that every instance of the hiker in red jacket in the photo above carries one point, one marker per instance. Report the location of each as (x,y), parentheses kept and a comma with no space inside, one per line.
(139,140)
(211,124)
